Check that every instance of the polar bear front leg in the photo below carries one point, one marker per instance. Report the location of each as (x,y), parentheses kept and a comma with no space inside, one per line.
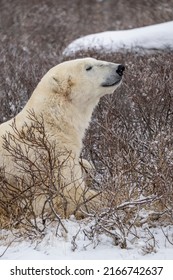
(74,196)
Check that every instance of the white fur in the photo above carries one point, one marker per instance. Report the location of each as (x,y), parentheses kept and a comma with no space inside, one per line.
(66,97)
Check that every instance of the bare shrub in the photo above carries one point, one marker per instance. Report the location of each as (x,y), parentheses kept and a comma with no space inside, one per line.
(30,45)
(130,145)
(35,177)
(130,139)
(35,194)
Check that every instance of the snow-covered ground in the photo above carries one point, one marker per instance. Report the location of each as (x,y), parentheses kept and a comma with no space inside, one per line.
(143,243)
(154,37)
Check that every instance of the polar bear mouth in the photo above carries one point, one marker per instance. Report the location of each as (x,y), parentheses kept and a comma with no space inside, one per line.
(109,84)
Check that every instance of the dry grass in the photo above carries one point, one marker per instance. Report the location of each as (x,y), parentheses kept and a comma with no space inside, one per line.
(130,137)
(34,33)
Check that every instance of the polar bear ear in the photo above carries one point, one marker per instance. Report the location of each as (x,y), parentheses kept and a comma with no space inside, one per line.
(62,87)
(55,84)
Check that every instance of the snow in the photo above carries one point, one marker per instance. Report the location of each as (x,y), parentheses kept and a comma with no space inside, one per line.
(75,245)
(145,242)
(154,37)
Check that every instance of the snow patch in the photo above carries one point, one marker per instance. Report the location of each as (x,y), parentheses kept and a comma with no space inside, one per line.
(154,37)
(144,243)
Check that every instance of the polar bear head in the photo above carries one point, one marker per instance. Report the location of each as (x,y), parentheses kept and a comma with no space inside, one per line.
(83,81)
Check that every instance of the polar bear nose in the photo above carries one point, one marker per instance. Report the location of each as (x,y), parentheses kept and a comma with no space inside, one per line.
(120,69)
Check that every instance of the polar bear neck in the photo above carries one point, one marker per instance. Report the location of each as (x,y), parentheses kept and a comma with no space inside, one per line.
(63,119)
(70,119)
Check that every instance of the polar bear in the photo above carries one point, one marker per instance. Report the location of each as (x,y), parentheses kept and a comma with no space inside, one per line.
(66,97)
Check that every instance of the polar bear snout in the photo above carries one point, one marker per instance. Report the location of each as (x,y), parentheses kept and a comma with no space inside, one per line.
(115,76)
(120,69)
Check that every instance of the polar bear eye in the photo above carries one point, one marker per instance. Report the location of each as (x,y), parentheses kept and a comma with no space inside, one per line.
(88,68)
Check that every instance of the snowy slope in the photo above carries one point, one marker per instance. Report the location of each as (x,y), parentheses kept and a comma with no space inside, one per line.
(152,37)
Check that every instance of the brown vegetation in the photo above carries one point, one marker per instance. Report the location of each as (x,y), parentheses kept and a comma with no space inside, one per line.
(130,137)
